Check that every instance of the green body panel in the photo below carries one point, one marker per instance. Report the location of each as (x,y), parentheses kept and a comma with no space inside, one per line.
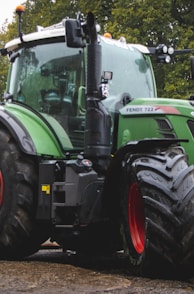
(47,141)
(157,118)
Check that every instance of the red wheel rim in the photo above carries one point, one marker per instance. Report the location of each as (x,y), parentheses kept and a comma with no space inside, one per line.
(1,188)
(136,218)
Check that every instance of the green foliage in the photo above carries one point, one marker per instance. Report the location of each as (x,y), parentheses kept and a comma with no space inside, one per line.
(4,64)
(152,22)
(148,22)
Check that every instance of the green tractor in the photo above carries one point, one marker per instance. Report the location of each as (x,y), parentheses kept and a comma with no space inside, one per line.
(85,161)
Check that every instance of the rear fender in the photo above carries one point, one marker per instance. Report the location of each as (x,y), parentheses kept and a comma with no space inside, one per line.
(33,135)
(111,191)
(18,131)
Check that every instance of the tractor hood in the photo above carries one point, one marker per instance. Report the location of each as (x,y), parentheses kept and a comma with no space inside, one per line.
(158,118)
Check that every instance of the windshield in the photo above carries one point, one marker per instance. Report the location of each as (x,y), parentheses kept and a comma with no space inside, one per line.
(132,73)
(48,78)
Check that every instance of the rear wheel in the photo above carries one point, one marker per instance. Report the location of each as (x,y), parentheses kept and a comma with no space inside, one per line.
(154,187)
(20,234)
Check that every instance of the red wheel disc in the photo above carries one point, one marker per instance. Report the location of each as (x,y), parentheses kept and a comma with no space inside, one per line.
(136,218)
(1,188)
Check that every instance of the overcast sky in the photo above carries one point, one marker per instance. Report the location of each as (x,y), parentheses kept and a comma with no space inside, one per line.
(7,9)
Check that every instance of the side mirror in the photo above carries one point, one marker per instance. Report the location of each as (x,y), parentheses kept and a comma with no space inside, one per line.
(73,33)
(192,67)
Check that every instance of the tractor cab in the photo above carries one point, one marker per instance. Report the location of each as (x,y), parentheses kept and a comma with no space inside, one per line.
(50,77)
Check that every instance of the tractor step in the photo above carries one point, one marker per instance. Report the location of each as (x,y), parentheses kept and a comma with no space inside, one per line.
(62,214)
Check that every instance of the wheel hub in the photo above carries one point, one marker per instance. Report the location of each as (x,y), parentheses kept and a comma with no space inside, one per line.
(136,218)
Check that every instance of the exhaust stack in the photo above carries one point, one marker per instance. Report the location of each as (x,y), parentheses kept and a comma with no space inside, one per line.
(98,120)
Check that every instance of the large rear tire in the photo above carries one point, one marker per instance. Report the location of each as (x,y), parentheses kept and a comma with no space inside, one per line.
(20,234)
(154,190)
(186,211)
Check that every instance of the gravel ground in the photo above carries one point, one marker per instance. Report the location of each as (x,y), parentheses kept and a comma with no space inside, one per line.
(52,271)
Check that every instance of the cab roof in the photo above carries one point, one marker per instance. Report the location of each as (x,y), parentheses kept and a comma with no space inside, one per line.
(58,30)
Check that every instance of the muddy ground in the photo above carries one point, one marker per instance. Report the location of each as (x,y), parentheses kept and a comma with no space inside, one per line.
(52,271)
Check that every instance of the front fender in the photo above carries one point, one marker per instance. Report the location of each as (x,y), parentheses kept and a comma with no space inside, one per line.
(140,146)
(112,182)
(33,134)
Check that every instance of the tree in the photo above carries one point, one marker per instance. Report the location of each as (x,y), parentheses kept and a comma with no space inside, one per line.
(48,12)
(4,64)
(152,22)
(148,22)
(183,11)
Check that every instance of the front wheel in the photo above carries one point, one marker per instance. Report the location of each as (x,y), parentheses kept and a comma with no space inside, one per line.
(153,187)
(20,234)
